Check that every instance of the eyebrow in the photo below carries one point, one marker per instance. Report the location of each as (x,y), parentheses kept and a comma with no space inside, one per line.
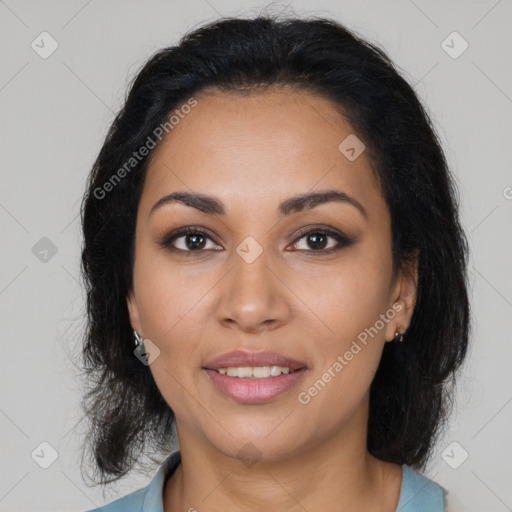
(212,205)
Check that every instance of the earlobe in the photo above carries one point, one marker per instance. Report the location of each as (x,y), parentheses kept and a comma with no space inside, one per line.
(404,300)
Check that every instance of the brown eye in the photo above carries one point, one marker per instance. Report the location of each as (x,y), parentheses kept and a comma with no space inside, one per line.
(194,240)
(317,241)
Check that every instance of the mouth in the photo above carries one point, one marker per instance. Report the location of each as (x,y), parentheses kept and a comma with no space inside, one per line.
(254,390)
(254,377)
(255,372)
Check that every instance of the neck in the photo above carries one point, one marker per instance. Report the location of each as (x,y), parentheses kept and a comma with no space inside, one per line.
(336,474)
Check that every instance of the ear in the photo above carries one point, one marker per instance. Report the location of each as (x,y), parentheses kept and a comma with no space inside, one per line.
(133,311)
(403,297)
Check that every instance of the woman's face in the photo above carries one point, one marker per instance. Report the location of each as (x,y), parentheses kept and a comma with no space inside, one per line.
(264,277)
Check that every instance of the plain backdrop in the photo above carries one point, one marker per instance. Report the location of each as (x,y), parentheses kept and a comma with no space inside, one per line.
(55,112)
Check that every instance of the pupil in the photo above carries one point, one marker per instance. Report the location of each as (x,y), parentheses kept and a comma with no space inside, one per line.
(314,238)
(193,239)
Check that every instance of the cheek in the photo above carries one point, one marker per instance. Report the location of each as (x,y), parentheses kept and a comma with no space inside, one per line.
(345,364)
(169,294)
(349,297)
(170,308)
(352,301)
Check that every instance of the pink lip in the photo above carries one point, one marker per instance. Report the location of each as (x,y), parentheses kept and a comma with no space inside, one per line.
(254,391)
(240,358)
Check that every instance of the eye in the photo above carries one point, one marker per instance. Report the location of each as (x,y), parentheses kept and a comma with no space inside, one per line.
(318,239)
(194,240)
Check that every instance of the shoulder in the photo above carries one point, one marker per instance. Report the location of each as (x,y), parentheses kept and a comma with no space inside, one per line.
(130,503)
(420,494)
(149,498)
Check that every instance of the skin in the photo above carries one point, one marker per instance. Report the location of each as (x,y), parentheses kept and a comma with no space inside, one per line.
(252,152)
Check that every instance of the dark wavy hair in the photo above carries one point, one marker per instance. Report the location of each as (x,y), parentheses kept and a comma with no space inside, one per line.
(412,391)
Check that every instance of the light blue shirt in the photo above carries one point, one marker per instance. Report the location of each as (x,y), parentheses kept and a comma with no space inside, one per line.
(417,493)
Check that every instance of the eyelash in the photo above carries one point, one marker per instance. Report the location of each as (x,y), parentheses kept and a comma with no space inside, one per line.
(341,239)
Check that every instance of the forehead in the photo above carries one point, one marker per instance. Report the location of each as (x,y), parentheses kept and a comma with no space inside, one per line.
(257,148)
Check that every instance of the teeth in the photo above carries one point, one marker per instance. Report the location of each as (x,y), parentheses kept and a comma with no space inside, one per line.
(256,372)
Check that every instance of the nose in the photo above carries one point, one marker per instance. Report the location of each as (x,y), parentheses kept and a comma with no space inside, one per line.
(253,297)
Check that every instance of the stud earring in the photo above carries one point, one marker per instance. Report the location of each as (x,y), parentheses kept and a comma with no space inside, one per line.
(399,337)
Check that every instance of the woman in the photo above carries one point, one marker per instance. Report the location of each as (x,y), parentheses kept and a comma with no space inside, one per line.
(275,269)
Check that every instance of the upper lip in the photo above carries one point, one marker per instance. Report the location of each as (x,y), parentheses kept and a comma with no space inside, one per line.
(242,358)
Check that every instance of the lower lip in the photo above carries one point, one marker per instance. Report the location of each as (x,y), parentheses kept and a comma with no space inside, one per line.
(254,391)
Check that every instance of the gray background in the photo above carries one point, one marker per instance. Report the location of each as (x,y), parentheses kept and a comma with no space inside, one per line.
(54,116)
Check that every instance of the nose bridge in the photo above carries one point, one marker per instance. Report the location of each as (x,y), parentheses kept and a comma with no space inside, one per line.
(252,265)
(252,294)
(252,277)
